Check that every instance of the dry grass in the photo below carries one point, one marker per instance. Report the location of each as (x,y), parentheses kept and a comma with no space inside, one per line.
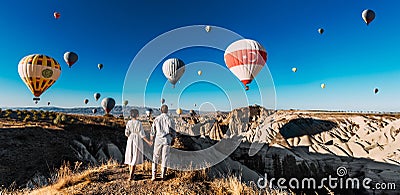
(70,180)
(145,167)
(67,177)
(233,185)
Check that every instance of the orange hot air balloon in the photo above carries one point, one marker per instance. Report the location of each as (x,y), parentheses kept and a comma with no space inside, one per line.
(245,58)
(56,15)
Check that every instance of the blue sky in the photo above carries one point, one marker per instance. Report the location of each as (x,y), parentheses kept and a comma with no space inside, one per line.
(350,57)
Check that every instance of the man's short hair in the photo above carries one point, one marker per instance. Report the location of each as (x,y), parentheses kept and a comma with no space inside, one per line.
(134,113)
(164,109)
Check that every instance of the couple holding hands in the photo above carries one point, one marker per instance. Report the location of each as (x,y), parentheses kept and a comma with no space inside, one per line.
(162,133)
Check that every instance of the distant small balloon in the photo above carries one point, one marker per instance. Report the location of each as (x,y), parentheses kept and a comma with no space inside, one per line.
(86,101)
(376,90)
(148,112)
(321,30)
(108,104)
(125,102)
(199,72)
(70,58)
(56,15)
(179,111)
(294,69)
(96,96)
(323,85)
(48,103)
(162,101)
(100,66)
(94,111)
(368,16)
(208,28)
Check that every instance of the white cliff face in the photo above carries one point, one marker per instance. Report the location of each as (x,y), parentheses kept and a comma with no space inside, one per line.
(352,135)
(344,134)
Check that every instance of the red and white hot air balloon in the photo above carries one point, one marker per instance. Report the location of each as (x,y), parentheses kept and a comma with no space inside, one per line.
(56,15)
(245,58)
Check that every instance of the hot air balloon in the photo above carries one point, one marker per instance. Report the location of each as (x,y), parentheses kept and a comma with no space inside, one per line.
(199,72)
(48,103)
(195,105)
(192,113)
(207,28)
(96,96)
(173,69)
(179,111)
(56,15)
(368,15)
(294,69)
(70,58)
(321,30)
(100,66)
(376,90)
(245,58)
(39,72)
(323,85)
(148,112)
(94,110)
(125,102)
(86,101)
(108,104)
(162,100)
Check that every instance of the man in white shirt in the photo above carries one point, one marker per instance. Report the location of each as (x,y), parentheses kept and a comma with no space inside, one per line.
(163,129)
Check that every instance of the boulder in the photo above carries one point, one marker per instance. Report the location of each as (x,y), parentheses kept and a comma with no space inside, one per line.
(82,153)
(114,152)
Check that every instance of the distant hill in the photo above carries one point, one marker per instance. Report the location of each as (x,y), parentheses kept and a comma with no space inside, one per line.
(118,110)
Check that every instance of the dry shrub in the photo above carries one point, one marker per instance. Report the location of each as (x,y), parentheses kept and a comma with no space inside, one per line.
(68,176)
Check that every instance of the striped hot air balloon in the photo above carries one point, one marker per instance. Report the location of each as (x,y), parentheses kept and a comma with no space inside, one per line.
(39,72)
(173,69)
(245,58)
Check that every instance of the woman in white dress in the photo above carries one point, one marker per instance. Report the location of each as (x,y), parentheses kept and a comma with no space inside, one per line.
(134,146)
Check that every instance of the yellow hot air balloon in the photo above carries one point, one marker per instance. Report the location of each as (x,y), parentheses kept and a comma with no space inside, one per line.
(179,111)
(323,85)
(199,72)
(39,72)
(294,69)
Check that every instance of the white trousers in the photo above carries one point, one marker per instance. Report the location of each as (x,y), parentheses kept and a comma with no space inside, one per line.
(163,151)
